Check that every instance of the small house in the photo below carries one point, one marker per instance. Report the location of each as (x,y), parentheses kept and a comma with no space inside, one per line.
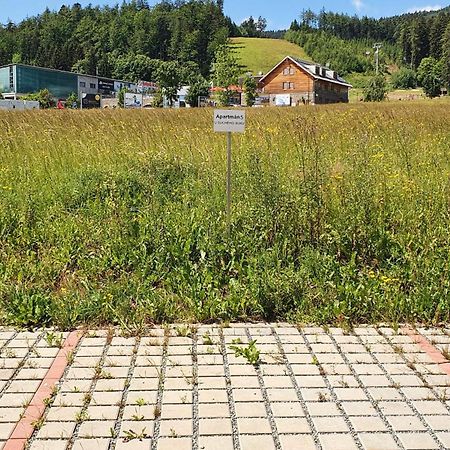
(294,82)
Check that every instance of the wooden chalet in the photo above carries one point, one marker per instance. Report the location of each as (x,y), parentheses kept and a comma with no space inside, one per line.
(295,82)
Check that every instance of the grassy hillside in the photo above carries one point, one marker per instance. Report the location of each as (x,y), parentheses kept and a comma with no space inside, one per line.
(340,214)
(261,55)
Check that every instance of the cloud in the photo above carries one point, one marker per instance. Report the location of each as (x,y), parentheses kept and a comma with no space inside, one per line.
(423,8)
(358,4)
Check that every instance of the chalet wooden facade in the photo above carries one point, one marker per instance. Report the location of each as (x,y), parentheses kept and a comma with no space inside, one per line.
(294,82)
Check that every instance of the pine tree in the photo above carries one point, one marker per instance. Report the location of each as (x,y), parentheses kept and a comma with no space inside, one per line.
(446,57)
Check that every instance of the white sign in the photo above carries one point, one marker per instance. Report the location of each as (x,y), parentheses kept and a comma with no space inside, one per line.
(283,100)
(133,100)
(229,120)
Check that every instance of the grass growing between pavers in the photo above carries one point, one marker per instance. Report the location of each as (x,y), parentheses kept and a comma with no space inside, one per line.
(340,215)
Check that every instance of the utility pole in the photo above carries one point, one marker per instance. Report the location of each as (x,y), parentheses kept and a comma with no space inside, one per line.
(377,48)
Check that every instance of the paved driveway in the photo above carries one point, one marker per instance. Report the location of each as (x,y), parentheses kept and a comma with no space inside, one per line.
(184,388)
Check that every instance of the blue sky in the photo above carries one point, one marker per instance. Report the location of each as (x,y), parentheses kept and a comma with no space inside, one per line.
(279,13)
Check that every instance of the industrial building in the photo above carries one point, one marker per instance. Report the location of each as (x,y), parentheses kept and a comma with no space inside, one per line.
(17,80)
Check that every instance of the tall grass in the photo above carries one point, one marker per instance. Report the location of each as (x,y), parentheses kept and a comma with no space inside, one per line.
(340,214)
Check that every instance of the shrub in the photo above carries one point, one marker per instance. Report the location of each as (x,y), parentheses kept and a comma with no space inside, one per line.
(376,89)
(404,79)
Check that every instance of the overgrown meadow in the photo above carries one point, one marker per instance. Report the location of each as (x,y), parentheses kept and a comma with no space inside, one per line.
(340,215)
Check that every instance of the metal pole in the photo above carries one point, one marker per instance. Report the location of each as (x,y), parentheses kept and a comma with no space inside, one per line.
(229,180)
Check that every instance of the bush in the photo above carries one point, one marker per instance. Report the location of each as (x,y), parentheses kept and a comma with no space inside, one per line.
(429,75)
(404,79)
(375,90)
(44,97)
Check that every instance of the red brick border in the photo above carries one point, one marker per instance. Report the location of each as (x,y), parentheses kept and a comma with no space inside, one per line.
(24,428)
(429,349)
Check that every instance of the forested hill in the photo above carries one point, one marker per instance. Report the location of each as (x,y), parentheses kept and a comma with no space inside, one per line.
(343,41)
(106,40)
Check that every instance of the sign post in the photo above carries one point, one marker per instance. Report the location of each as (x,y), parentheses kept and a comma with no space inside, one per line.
(229,121)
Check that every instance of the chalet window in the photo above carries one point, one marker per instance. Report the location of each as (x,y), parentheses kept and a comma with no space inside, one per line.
(82,84)
(285,85)
(286,71)
(291,71)
(291,86)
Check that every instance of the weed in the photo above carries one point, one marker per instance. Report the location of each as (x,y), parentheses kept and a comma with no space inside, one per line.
(81,416)
(250,353)
(54,339)
(446,353)
(131,435)
(37,424)
(207,339)
(322,397)
(137,417)
(141,402)
(87,399)
(156,412)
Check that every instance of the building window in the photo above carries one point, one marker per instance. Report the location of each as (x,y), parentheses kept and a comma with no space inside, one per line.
(291,71)
(291,86)
(92,85)
(285,86)
(286,71)
(82,84)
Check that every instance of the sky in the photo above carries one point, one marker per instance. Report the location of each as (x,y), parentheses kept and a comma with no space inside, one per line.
(279,13)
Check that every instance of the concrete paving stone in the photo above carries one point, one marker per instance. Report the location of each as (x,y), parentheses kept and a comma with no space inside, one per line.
(180,372)
(91,444)
(419,358)
(75,386)
(444,438)
(385,393)
(323,348)
(93,342)
(208,427)
(359,409)
(301,441)
(6,374)
(173,428)
(395,408)
(381,347)
(103,412)
(177,397)
(213,395)
(89,362)
(274,370)
(77,373)
(143,428)
(144,384)
(292,425)
(117,372)
(346,339)
(375,380)
(134,444)
(438,380)
(180,341)
(407,380)
(64,413)
(430,407)
(350,394)
(120,351)
(254,409)
(90,351)
(136,397)
(215,443)
(336,369)
(148,361)
(135,412)
(146,372)
(361,331)
(106,398)
(56,430)
(218,371)
(377,441)
(179,350)
(8,414)
(6,429)
(342,381)
(299,358)
(117,361)
(406,423)
(276,395)
(417,441)
(49,444)
(211,410)
(330,424)
(332,441)
(360,358)
(39,363)
(15,400)
(315,394)
(352,348)
(23,386)
(113,384)
(277,382)
(285,409)
(295,349)
(256,442)
(172,443)
(176,411)
(150,351)
(398,369)
(254,425)
(305,369)
(185,383)
(310,381)
(241,382)
(438,423)
(367,369)
(210,359)
(96,429)
(121,342)
(319,338)
(179,360)
(371,423)
(417,393)
(31,374)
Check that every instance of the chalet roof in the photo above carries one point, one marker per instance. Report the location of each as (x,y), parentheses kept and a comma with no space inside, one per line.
(310,68)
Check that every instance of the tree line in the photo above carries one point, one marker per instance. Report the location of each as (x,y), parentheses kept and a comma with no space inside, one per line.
(106,40)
